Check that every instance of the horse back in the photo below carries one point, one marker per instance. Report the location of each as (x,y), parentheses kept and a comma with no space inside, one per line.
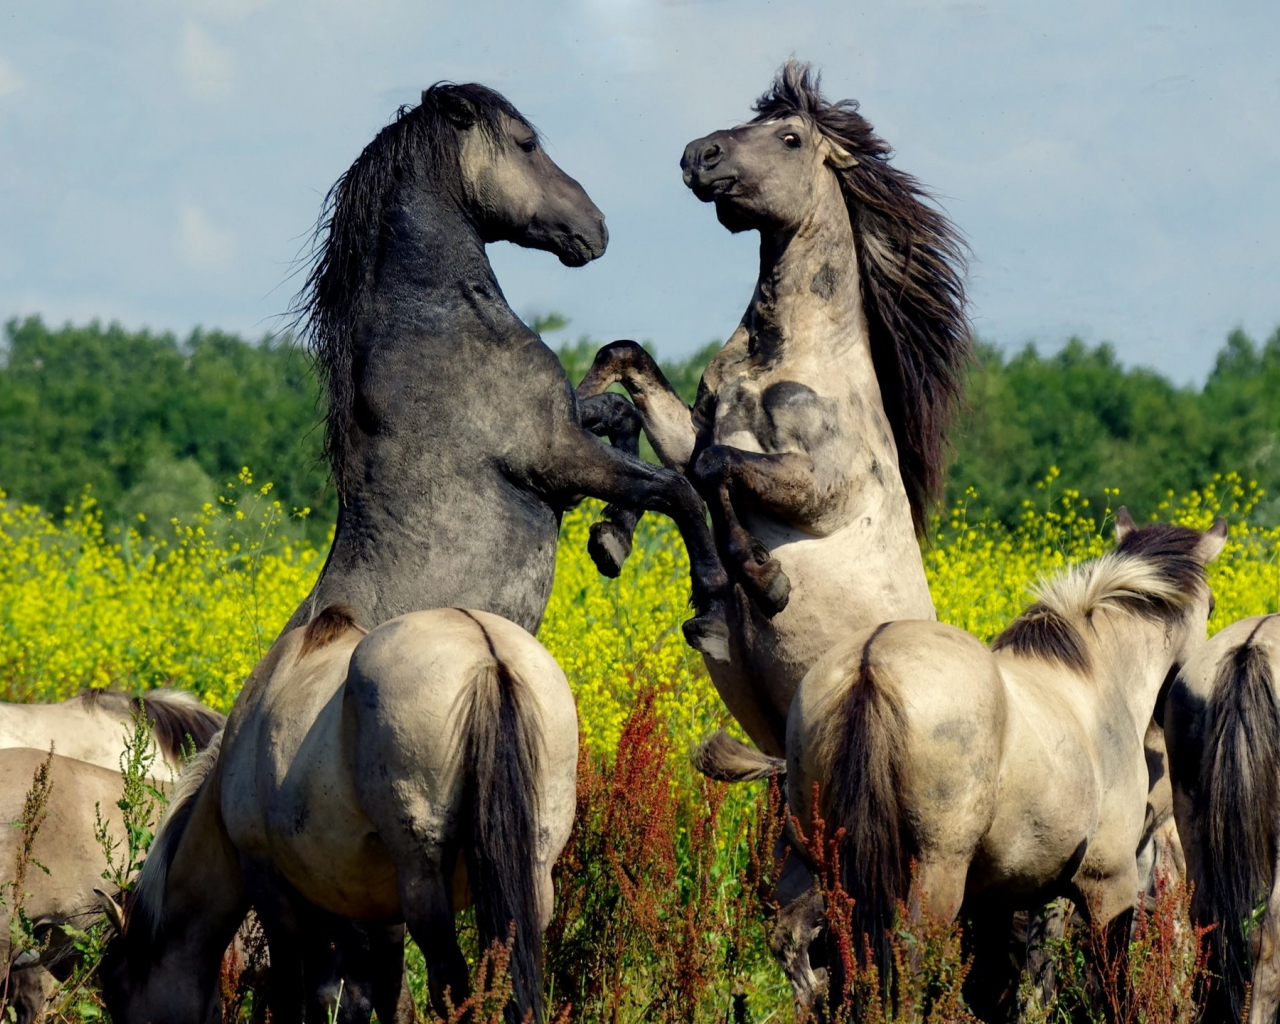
(65,843)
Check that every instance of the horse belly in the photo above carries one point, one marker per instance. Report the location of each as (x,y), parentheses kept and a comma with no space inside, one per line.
(1046,814)
(339,864)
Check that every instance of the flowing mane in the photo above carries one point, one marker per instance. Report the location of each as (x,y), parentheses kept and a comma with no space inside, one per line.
(911,264)
(1153,572)
(421,140)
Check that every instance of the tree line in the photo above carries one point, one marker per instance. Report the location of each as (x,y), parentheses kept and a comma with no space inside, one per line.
(156,424)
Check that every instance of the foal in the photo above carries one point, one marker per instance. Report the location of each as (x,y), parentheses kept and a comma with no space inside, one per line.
(1009,776)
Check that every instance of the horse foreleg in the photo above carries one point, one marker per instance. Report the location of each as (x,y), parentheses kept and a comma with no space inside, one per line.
(991,986)
(579,465)
(277,913)
(614,417)
(668,422)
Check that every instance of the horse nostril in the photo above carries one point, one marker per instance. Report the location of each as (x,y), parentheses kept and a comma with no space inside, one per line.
(711,154)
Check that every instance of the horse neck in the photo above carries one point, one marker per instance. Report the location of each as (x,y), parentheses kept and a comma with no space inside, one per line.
(808,298)
(203,897)
(432,269)
(1132,658)
(807,307)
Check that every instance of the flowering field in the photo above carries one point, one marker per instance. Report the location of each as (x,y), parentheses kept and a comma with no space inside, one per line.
(194,604)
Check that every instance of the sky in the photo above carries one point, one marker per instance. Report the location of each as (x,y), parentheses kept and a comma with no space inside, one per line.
(1115,167)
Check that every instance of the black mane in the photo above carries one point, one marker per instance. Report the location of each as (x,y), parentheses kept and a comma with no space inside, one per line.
(419,140)
(911,262)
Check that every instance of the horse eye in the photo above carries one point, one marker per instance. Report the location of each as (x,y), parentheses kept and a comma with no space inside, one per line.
(791,140)
(529,145)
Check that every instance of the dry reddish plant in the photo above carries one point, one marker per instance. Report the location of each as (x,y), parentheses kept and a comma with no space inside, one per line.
(928,966)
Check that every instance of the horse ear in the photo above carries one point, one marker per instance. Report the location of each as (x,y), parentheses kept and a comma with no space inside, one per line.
(458,109)
(1124,524)
(839,157)
(113,910)
(1212,542)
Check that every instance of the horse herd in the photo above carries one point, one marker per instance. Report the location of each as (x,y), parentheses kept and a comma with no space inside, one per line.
(407,748)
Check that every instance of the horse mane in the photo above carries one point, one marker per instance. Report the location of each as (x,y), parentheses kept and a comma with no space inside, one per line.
(174,715)
(147,902)
(177,714)
(1153,572)
(421,140)
(911,264)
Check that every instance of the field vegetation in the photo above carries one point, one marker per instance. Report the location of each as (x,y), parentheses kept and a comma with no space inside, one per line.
(659,913)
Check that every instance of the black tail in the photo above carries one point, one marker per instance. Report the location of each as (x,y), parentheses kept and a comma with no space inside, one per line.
(502,755)
(1236,804)
(865,799)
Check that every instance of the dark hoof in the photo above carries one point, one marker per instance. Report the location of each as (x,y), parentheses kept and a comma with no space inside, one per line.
(609,545)
(709,634)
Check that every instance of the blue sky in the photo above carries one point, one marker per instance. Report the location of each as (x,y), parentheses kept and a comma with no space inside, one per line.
(1116,167)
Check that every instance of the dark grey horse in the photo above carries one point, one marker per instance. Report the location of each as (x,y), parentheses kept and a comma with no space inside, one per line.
(456,439)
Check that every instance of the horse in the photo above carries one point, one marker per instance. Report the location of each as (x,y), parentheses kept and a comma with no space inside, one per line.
(1222,725)
(450,495)
(1001,778)
(818,434)
(88,733)
(93,725)
(67,848)
(389,775)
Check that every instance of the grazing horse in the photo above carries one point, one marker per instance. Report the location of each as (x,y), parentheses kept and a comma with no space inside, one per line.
(93,725)
(818,434)
(91,729)
(1222,725)
(390,776)
(1008,776)
(67,847)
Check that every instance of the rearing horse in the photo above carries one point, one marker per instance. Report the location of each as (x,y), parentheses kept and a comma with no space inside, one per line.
(818,433)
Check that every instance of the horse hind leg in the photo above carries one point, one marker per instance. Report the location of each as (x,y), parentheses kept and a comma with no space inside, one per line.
(1264,991)
(427,901)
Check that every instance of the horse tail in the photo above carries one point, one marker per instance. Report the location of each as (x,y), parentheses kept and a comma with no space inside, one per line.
(725,759)
(1237,802)
(502,754)
(867,739)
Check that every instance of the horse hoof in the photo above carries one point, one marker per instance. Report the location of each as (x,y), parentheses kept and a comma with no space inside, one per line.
(769,587)
(709,635)
(609,545)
